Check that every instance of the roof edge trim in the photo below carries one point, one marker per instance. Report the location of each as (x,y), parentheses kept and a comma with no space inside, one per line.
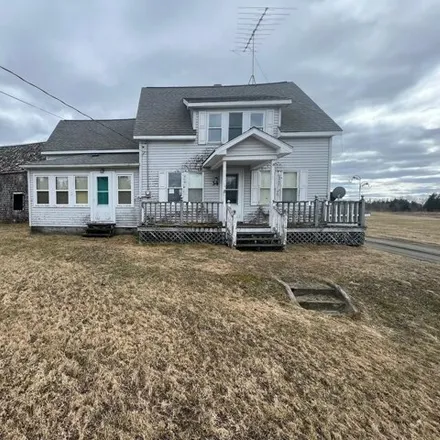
(229,104)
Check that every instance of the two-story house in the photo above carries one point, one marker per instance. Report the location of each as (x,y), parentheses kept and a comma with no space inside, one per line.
(245,164)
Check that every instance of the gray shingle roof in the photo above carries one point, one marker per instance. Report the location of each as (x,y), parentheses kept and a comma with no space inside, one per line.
(91,159)
(161,110)
(13,156)
(89,135)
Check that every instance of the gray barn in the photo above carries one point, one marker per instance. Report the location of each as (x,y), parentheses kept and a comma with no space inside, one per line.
(13,180)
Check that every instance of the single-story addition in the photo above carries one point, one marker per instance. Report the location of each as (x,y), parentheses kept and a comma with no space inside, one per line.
(13,180)
(247,165)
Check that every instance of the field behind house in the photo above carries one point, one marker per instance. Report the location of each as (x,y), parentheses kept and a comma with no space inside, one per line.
(107,339)
(419,227)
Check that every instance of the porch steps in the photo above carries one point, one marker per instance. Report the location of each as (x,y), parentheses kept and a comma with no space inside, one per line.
(258,241)
(105,230)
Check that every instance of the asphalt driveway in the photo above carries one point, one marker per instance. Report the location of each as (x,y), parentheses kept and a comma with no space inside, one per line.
(420,251)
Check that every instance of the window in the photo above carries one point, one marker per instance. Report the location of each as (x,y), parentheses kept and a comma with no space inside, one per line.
(81,190)
(42,186)
(18,201)
(174,186)
(102,182)
(235,125)
(257,120)
(195,187)
(215,127)
(290,187)
(232,188)
(265,188)
(124,190)
(62,190)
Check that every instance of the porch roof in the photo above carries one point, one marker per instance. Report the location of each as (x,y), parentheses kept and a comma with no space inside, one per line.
(267,148)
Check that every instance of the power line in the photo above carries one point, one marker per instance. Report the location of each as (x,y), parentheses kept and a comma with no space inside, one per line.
(64,103)
(31,105)
(48,112)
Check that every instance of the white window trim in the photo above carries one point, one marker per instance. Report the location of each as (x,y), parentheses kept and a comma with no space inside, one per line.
(202,187)
(298,172)
(264,119)
(81,205)
(124,205)
(69,195)
(224,116)
(52,190)
(222,128)
(36,190)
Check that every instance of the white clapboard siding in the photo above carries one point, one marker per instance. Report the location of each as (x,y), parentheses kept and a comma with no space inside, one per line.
(251,147)
(311,154)
(78,216)
(169,157)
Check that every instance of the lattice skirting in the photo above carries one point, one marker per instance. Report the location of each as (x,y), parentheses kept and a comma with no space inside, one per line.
(181,236)
(348,238)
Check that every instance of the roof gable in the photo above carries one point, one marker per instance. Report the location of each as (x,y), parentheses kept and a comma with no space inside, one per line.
(161,110)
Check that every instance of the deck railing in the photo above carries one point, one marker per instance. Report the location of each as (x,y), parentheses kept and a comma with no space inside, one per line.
(231,226)
(181,213)
(320,213)
(278,221)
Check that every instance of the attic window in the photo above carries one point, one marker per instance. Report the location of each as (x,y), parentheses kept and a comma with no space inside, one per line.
(18,201)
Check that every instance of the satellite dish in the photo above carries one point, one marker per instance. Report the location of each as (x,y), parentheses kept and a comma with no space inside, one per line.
(339,192)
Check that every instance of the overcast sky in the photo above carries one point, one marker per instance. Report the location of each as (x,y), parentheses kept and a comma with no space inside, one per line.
(373,65)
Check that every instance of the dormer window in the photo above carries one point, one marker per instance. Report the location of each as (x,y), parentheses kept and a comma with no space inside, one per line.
(215,127)
(257,120)
(235,125)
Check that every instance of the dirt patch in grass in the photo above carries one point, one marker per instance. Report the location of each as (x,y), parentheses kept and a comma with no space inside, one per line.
(105,339)
(421,228)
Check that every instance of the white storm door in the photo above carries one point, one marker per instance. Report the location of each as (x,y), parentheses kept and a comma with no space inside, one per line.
(103,198)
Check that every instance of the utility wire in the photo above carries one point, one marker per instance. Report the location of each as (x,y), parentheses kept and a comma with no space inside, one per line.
(31,105)
(63,102)
(48,112)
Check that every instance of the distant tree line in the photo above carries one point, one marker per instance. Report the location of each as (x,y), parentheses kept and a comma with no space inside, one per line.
(432,204)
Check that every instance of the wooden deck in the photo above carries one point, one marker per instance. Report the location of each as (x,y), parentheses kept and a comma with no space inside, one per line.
(318,221)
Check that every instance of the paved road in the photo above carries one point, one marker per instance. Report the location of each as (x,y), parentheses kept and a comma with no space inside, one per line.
(419,251)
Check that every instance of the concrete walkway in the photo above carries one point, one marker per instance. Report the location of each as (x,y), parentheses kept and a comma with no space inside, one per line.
(420,251)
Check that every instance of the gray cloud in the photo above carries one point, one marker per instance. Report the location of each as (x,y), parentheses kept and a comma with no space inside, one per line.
(352,56)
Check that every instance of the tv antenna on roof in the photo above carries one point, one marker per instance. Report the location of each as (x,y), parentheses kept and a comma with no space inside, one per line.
(253,25)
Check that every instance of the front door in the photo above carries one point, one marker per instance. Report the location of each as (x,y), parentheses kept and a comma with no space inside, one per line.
(103,207)
(234,192)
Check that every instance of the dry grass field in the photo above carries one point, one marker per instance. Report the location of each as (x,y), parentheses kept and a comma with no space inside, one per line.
(107,339)
(423,228)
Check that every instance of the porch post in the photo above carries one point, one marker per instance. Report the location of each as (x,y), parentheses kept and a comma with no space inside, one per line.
(272,181)
(272,191)
(224,192)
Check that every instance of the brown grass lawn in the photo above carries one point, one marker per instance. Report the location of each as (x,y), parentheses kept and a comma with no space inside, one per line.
(422,228)
(107,339)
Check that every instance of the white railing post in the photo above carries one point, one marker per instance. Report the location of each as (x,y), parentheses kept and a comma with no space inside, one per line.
(316,213)
(362,212)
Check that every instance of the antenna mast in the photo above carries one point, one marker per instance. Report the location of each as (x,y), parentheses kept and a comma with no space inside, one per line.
(254,24)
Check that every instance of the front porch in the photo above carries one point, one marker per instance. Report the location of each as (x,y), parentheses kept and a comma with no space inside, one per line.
(305,222)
